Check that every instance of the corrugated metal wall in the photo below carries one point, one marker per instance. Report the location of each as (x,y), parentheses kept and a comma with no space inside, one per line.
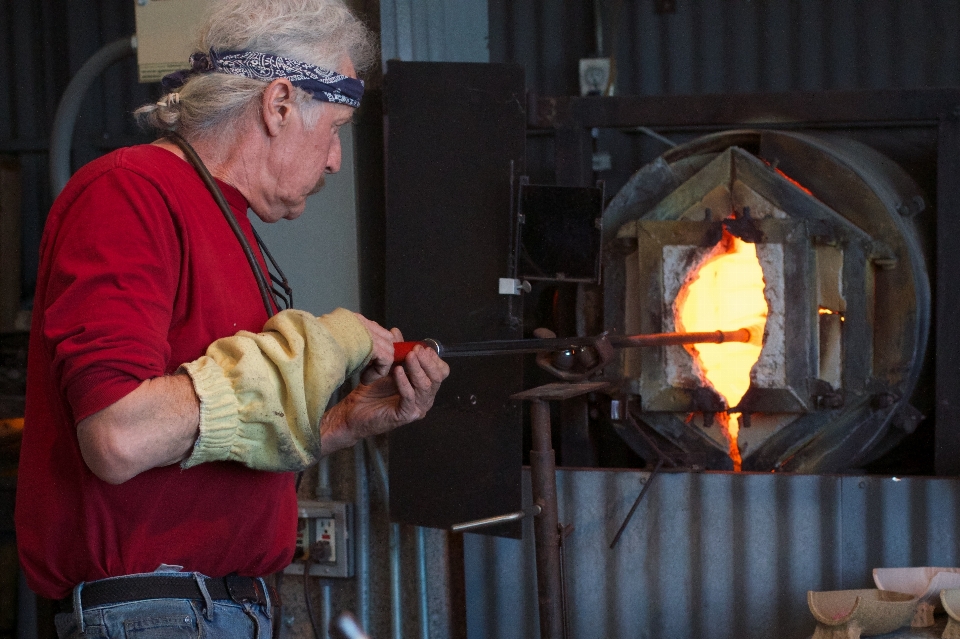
(42,44)
(434,30)
(718,555)
(733,46)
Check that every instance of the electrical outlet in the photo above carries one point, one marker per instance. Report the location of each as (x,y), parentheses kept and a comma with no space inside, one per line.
(327,537)
(326,529)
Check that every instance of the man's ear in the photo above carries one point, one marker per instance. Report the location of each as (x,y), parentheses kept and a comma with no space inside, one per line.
(276,106)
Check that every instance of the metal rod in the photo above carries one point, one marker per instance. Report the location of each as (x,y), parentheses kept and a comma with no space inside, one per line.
(396,596)
(381,470)
(546,534)
(488,521)
(656,136)
(362,499)
(326,609)
(324,493)
(519,346)
(324,490)
(633,508)
(663,457)
(422,582)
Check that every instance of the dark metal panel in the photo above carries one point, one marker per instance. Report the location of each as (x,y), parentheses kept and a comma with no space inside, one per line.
(946,43)
(574,149)
(710,40)
(843,36)
(809,60)
(947,301)
(896,107)
(743,71)
(768,45)
(776,72)
(644,49)
(6,70)
(678,29)
(879,45)
(448,232)
(912,60)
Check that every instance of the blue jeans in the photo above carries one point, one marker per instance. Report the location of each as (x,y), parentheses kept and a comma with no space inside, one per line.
(165,619)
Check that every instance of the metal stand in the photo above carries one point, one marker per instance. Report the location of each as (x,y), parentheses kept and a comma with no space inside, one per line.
(548,534)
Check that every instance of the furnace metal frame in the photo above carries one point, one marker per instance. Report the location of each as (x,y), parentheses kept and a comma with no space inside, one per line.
(571,120)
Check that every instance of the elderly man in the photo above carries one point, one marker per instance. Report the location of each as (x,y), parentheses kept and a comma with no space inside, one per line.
(166,407)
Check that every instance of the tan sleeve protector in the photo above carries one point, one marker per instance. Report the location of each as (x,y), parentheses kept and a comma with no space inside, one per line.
(262,395)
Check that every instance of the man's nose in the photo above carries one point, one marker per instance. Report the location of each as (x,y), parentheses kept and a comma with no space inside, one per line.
(334,156)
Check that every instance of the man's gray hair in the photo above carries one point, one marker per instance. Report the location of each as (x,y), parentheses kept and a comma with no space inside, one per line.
(319,32)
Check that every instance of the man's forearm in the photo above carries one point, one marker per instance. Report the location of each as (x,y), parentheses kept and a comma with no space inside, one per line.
(155,425)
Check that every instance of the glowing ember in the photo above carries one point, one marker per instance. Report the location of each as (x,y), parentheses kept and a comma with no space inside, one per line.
(726,293)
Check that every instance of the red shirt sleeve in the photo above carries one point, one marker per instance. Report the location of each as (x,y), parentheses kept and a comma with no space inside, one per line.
(115,265)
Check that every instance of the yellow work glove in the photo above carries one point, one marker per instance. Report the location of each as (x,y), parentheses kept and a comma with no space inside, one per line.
(262,395)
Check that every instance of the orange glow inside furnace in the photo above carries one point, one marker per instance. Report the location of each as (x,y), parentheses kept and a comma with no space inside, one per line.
(726,293)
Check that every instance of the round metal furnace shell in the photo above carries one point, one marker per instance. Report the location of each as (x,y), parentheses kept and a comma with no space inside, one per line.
(868,203)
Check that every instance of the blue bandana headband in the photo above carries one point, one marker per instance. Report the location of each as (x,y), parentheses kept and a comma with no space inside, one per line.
(322,84)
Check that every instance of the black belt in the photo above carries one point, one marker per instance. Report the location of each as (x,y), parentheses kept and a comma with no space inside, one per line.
(126,589)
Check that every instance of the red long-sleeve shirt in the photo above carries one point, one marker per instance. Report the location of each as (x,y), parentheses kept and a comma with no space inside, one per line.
(139,273)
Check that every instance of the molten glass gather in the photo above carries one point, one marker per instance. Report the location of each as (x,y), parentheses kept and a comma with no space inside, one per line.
(725,293)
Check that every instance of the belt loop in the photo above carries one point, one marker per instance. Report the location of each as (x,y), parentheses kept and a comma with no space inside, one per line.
(266,596)
(207,600)
(248,608)
(78,609)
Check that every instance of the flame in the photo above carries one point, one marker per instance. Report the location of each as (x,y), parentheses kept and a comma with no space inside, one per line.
(726,294)
(794,182)
(827,311)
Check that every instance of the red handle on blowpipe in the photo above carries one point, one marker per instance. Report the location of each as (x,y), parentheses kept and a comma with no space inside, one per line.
(402,349)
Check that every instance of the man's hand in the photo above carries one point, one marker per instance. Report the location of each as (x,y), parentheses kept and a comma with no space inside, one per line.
(403,396)
(383,341)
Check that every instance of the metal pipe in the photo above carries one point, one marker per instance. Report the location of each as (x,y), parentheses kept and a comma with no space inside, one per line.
(546,526)
(396,596)
(381,470)
(656,136)
(324,493)
(626,520)
(26,609)
(676,339)
(540,345)
(467,526)
(362,510)
(324,490)
(61,136)
(422,582)
(326,610)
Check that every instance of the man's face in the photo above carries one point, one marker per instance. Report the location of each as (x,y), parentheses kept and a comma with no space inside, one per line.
(304,156)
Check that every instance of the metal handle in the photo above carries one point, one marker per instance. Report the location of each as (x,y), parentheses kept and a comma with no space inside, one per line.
(493,521)
(402,349)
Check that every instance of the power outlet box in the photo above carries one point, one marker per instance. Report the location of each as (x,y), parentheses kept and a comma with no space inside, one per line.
(331,524)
